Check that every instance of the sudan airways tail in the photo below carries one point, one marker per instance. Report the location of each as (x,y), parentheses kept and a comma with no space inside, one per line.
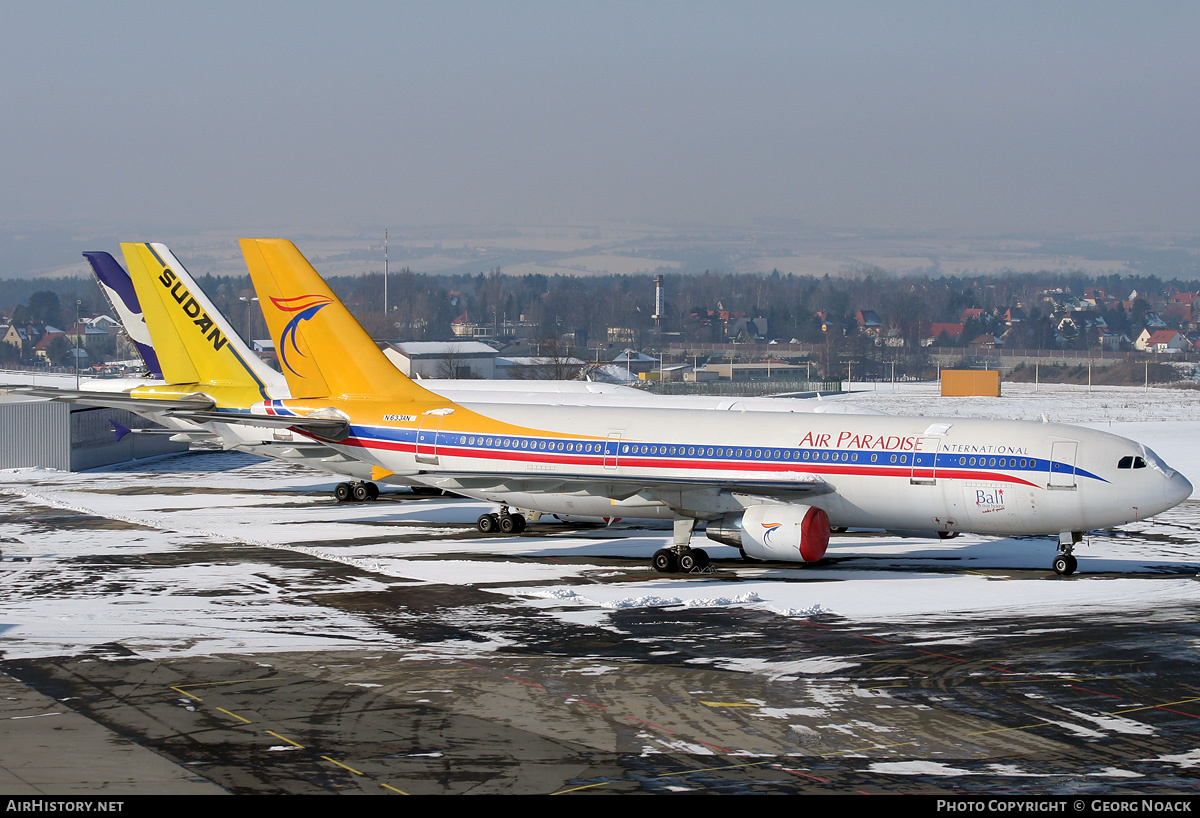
(323,351)
(194,341)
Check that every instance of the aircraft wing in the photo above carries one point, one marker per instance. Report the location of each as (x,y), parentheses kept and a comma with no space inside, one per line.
(327,428)
(698,493)
(196,408)
(123,400)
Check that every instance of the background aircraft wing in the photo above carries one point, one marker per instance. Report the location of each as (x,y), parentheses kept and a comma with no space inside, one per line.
(122,400)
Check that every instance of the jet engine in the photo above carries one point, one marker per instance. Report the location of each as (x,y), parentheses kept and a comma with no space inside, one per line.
(775,532)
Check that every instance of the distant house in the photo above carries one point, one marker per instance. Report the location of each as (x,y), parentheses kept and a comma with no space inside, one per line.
(1014,315)
(621,335)
(1192,300)
(10,335)
(635,362)
(1162,341)
(42,348)
(1077,321)
(830,324)
(1114,341)
(985,341)
(948,332)
(1180,314)
(464,327)
(868,322)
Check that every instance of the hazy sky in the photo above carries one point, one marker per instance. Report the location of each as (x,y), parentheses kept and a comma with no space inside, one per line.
(979,117)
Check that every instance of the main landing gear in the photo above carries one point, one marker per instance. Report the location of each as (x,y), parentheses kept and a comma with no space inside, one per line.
(358,491)
(680,557)
(503,523)
(1065,563)
(670,561)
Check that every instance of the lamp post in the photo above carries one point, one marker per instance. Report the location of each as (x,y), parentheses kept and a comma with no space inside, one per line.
(75,355)
(249,319)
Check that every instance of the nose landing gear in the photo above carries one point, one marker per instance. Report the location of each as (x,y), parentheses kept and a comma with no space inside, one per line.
(1065,563)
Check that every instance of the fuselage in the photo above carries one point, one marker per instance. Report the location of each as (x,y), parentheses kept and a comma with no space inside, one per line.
(998,477)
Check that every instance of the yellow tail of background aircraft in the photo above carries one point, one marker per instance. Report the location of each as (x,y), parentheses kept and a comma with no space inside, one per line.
(196,346)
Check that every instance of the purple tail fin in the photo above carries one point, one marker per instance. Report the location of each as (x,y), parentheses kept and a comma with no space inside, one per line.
(118,288)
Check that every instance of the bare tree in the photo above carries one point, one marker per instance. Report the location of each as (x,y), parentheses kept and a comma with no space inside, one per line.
(449,365)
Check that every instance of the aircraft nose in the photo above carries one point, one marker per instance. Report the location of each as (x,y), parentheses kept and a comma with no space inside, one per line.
(1178,489)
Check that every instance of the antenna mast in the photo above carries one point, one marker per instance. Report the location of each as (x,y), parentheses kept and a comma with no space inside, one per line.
(385,272)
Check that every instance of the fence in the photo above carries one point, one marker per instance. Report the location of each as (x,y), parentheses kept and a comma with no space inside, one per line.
(742,389)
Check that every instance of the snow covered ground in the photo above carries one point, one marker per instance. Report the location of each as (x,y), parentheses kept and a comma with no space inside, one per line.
(174,556)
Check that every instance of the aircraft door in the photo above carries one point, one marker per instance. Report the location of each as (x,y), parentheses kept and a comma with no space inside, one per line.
(924,463)
(1062,464)
(428,429)
(612,450)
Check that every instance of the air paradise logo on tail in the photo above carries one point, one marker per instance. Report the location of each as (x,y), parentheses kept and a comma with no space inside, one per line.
(192,309)
(305,307)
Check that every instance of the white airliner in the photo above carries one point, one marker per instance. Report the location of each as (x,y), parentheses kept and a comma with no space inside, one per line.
(770,483)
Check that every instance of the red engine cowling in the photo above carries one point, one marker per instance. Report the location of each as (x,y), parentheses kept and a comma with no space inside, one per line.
(777,532)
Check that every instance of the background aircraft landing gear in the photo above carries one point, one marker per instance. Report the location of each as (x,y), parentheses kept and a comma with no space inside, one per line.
(1065,563)
(504,522)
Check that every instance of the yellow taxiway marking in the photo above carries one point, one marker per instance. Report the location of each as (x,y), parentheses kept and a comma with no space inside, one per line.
(242,719)
(183,692)
(869,747)
(180,688)
(1010,729)
(1154,706)
(1162,706)
(584,787)
(729,704)
(343,766)
(283,738)
(718,769)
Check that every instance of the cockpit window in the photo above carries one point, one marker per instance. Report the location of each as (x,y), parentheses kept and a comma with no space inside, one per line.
(1129,462)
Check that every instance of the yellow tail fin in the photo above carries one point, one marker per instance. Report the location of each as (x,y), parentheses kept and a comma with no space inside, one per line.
(322,349)
(144,268)
(197,343)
